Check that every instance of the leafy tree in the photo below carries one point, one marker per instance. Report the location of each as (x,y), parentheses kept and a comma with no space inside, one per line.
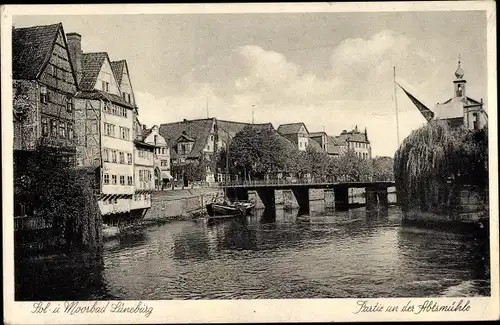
(313,162)
(353,168)
(48,183)
(258,153)
(383,168)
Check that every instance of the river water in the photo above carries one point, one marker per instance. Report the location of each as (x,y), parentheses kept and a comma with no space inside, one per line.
(324,254)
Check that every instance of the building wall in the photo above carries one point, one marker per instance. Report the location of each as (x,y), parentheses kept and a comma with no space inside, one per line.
(87,133)
(144,168)
(26,130)
(106,75)
(362,149)
(114,143)
(126,87)
(52,118)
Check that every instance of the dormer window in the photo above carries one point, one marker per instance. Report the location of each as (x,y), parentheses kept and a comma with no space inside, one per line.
(105,86)
(69,104)
(43,95)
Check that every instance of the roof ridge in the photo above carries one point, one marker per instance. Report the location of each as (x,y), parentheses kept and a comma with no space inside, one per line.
(37,26)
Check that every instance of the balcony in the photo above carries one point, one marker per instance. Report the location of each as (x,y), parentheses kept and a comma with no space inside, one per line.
(141,204)
(120,206)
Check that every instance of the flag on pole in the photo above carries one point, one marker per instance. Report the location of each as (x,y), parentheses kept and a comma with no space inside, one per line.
(426,113)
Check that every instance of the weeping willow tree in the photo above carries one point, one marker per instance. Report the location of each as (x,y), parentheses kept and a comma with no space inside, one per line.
(436,160)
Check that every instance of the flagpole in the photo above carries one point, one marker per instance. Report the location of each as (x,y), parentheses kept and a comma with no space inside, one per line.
(396,106)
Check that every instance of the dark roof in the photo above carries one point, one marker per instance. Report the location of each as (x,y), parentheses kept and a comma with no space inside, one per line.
(144,144)
(31,50)
(231,127)
(185,137)
(117,67)
(291,128)
(337,141)
(98,94)
(316,134)
(468,101)
(91,66)
(198,130)
(315,144)
(353,136)
(333,145)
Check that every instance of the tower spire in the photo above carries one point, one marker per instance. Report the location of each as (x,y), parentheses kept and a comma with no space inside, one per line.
(459,73)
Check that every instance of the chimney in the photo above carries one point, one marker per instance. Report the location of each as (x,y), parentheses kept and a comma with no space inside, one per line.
(75,53)
(144,127)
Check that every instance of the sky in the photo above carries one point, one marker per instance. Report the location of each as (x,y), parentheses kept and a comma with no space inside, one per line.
(333,70)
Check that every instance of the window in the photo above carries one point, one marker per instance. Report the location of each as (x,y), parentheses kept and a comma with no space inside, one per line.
(113,179)
(164,163)
(129,158)
(50,69)
(69,104)
(122,158)
(45,126)
(105,86)
(125,133)
(62,130)
(43,94)
(128,98)
(130,180)
(162,151)
(106,179)
(113,156)
(211,138)
(109,129)
(53,128)
(105,155)
(122,180)
(70,131)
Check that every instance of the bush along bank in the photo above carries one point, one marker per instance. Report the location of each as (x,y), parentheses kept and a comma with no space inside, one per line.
(441,177)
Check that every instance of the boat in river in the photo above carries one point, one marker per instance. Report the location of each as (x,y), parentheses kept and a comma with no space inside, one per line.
(221,207)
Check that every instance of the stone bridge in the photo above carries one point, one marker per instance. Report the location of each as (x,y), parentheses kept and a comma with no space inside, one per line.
(264,193)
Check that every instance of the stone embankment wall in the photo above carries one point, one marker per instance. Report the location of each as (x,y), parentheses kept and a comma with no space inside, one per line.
(175,203)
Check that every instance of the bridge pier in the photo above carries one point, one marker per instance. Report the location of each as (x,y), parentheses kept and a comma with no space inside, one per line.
(341,197)
(383,198)
(329,195)
(289,200)
(376,197)
(371,197)
(267,198)
(302,196)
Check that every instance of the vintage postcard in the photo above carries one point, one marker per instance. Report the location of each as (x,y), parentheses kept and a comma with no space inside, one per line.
(306,162)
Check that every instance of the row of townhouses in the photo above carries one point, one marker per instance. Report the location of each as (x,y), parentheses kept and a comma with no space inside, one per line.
(192,140)
(85,102)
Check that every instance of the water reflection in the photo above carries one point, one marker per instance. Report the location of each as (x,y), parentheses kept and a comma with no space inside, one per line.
(270,254)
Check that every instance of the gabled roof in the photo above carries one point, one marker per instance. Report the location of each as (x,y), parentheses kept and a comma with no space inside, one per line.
(185,137)
(353,136)
(31,50)
(102,95)
(333,145)
(315,144)
(468,101)
(198,130)
(91,66)
(317,134)
(291,128)
(117,67)
(337,141)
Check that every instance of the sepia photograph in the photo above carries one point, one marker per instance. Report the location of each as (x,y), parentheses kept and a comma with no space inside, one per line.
(233,154)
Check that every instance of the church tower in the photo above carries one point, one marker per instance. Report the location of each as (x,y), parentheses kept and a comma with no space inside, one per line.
(459,82)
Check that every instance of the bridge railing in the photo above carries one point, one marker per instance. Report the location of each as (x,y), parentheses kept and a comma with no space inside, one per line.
(304,181)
